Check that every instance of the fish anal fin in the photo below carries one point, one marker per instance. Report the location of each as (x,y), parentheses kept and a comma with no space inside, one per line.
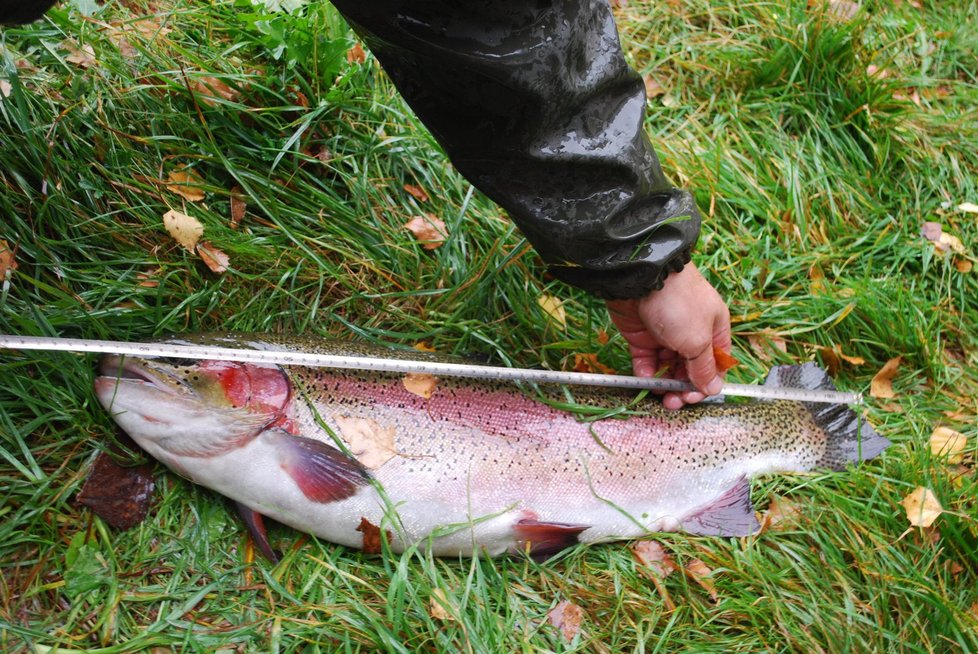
(323,473)
(256,527)
(543,539)
(731,514)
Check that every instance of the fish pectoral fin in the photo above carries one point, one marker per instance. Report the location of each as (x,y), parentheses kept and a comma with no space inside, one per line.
(256,527)
(731,514)
(322,472)
(543,539)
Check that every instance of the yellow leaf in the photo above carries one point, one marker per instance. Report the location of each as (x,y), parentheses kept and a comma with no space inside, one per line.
(429,230)
(882,384)
(213,258)
(554,308)
(186,183)
(185,230)
(702,574)
(781,514)
(437,604)
(7,261)
(424,347)
(947,443)
(420,384)
(922,507)
(83,57)
(654,556)
(567,617)
(370,443)
(968,207)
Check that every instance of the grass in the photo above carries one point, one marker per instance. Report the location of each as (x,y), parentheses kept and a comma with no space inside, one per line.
(815,176)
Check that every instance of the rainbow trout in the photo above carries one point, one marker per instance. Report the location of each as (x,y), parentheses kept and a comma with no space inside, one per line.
(476,467)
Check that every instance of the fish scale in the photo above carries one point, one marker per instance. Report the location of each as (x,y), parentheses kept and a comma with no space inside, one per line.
(479,467)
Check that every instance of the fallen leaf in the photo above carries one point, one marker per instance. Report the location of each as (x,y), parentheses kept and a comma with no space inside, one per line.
(211,90)
(602,337)
(324,155)
(186,183)
(567,617)
(436,606)
(834,356)
(147,278)
(5,88)
(968,207)
(120,496)
(955,568)
(8,263)
(373,539)
(420,384)
(424,347)
(762,343)
(702,575)
(943,242)
(356,55)
(83,57)
(963,265)
(213,258)
(931,231)
(882,384)
(429,230)
(843,10)
(238,207)
(653,88)
(416,191)
(781,513)
(654,556)
(185,230)
(875,71)
(117,36)
(922,507)
(554,308)
(590,363)
(949,444)
(149,27)
(724,360)
(371,444)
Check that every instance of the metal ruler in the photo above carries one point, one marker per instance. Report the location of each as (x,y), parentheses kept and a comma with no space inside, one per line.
(379,364)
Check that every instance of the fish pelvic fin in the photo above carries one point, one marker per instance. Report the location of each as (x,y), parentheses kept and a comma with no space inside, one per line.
(849,438)
(544,539)
(322,472)
(256,527)
(731,514)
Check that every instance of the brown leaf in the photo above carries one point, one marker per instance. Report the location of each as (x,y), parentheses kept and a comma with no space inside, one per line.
(238,207)
(724,360)
(429,230)
(843,10)
(922,507)
(554,308)
(943,242)
(834,356)
(963,265)
(882,384)
(781,514)
(702,575)
(567,617)
(373,539)
(8,263)
(120,496)
(356,55)
(418,192)
(420,384)
(83,57)
(371,444)
(590,363)
(654,556)
(211,90)
(602,337)
(213,258)
(324,155)
(5,88)
(436,606)
(147,278)
(186,183)
(931,231)
(949,444)
(653,88)
(764,342)
(185,230)
(424,347)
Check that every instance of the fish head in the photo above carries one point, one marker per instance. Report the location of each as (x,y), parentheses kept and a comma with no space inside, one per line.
(193,408)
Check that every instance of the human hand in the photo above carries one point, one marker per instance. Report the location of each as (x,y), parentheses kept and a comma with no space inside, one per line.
(673,331)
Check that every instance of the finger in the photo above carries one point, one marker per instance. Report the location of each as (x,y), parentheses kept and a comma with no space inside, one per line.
(703,374)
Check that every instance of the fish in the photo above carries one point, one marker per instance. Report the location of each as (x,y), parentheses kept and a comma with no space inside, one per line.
(463,467)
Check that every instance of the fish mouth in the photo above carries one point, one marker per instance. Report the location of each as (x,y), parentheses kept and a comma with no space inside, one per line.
(127,370)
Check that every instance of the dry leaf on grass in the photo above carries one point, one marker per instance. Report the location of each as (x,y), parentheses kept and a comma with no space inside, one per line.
(211,90)
(84,57)
(590,363)
(653,88)
(724,360)
(436,606)
(416,191)
(429,230)
(356,54)
(882,384)
(5,88)
(842,10)
(424,347)
(702,575)
(421,384)
(185,230)
(654,556)
(922,507)
(186,183)
(8,263)
(120,496)
(147,279)
(373,539)
(763,343)
(968,207)
(567,617)
(781,513)
(949,444)
(833,357)
(369,442)
(238,207)
(213,258)
(554,308)
(943,242)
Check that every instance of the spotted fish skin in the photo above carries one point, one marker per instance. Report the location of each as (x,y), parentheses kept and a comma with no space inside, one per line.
(478,467)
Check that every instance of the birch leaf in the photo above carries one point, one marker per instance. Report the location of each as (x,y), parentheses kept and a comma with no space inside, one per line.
(968,207)
(949,444)
(373,538)
(186,183)
(369,442)
(421,384)
(702,575)
(429,230)
(554,308)
(213,258)
(8,263)
(5,88)
(238,207)
(436,606)
(83,57)
(419,193)
(590,363)
(567,617)
(654,556)
(185,230)
(882,384)
(922,507)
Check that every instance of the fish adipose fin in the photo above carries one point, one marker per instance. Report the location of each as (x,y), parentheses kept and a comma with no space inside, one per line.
(849,438)
(731,514)
(322,473)
(543,539)
(256,527)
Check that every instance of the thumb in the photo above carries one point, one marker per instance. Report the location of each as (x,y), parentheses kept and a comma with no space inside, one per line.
(703,374)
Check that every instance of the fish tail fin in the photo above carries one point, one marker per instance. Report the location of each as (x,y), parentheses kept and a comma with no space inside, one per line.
(849,438)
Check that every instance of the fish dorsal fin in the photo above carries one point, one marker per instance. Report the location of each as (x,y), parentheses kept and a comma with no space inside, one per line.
(543,539)
(731,514)
(322,472)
